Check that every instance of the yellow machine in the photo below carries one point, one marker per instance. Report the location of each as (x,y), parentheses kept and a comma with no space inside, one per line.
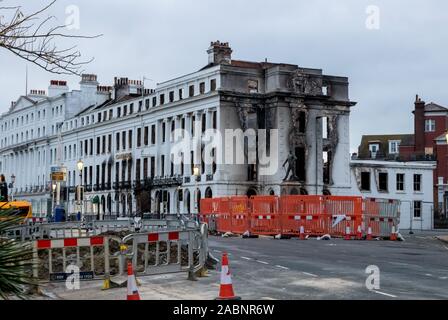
(21,208)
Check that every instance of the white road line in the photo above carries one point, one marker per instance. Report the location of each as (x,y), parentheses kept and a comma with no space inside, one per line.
(310,274)
(445,247)
(384,294)
(262,262)
(282,267)
(217,250)
(246,258)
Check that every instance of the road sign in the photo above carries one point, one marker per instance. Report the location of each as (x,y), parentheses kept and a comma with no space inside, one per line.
(58,176)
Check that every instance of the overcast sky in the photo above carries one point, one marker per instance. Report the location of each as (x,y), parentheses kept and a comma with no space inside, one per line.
(162,39)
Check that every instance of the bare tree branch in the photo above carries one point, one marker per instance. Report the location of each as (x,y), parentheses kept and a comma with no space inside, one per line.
(33,38)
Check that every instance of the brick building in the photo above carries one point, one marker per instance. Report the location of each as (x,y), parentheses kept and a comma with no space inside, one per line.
(427,143)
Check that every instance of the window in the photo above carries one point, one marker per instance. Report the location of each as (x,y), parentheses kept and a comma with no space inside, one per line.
(213,85)
(417,182)
(117,141)
(191,91)
(394,147)
(137,170)
(98,145)
(203,122)
(163,132)
(382,182)
(145,168)
(365,181)
(130,139)
(147,104)
(91,147)
(374,148)
(123,139)
(153,134)
(162,99)
(111,114)
(131,108)
(118,112)
(162,165)
(417,209)
(139,137)
(145,136)
(125,110)
(202,88)
(109,145)
(180,94)
(154,101)
(400,182)
(171,96)
(103,148)
(99,117)
(430,125)
(153,167)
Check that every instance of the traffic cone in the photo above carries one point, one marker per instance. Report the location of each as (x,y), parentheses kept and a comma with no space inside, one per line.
(302,233)
(369,233)
(347,232)
(393,235)
(226,287)
(132,284)
(359,233)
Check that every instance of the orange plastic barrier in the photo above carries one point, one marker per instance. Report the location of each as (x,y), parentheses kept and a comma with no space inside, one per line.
(239,208)
(306,211)
(265,218)
(350,208)
(272,215)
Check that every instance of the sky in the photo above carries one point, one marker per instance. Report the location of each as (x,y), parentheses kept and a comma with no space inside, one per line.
(390,50)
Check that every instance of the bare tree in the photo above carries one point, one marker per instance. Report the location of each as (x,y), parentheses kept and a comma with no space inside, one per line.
(33,37)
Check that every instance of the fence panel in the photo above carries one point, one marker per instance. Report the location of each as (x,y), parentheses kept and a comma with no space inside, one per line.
(239,208)
(381,215)
(343,212)
(265,217)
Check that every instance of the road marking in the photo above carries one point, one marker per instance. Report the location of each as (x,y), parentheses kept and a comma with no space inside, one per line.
(384,294)
(262,262)
(445,247)
(267,298)
(217,250)
(310,274)
(246,258)
(443,278)
(428,274)
(282,267)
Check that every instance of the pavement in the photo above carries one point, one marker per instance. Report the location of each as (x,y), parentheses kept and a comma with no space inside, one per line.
(270,269)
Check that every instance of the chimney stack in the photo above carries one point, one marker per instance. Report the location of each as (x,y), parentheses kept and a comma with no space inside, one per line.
(419,125)
(219,53)
(57,87)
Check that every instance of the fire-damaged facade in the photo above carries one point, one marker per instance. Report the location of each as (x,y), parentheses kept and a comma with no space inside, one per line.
(311,112)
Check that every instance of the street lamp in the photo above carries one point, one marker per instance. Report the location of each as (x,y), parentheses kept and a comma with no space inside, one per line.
(196,173)
(80,166)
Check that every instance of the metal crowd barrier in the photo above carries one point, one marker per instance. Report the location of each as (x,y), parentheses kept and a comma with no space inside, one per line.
(103,257)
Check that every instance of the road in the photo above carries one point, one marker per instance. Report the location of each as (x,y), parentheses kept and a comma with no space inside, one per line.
(270,269)
(266,268)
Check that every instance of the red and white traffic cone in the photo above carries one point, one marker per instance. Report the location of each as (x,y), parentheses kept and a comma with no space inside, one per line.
(369,233)
(302,233)
(393,234)
(132,284)
(226,287)
(359,233)
(348,232)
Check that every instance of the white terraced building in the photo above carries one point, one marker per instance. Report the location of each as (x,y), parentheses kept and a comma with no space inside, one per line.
(124,135)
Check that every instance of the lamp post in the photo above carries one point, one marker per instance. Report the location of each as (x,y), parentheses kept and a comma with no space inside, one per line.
(80,166)
(53,189)
(317,153)
(196,174)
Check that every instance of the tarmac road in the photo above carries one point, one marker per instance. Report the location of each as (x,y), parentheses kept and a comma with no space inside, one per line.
(266,268)
(270,269)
